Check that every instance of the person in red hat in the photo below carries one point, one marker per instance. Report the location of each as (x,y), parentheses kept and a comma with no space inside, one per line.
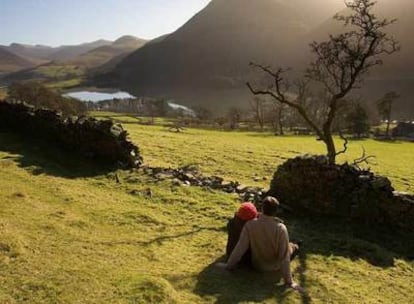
(245,213)
(267,240)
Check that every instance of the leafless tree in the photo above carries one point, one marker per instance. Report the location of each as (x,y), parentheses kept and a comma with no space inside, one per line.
(384,106)
(258,105)
(339,67)
(275,114)
(234,116)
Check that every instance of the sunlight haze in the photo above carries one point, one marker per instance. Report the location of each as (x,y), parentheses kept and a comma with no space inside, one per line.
(58,22)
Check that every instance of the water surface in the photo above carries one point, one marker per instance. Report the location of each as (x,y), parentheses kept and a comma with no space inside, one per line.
(98,96)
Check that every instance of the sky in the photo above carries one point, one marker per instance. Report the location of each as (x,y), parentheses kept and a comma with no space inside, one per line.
(58,22)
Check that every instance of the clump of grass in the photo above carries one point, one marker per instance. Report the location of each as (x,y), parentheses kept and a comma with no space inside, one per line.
(147,289)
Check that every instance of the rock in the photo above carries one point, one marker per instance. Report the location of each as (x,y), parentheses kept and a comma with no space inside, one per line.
(135,192)
(162,176)
(176,182)
(241,188)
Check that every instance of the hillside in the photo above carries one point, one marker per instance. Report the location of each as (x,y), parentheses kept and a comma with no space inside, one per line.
(69,52)
(72,234)
(10,62)
(101,55)
(80,60)
(36,53)
(213,49)
(41,54)
(397,73)
(206,60)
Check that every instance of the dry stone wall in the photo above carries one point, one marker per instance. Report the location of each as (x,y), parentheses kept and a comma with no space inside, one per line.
(309,184)
(95,139)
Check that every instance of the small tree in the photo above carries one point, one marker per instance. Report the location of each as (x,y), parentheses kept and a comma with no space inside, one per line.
(257,105)
(203,114)
(357,120)
(384,106)
(340,66)
(234,116)
(275,114)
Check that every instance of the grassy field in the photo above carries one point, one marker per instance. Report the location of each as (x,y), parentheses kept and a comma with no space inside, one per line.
(71,234)
(3,93)
(245,156)
(54,75)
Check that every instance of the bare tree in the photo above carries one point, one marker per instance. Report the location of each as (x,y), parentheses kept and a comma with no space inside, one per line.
(234,116)
(340,66)
(257,105)
(384,106)
(275,114)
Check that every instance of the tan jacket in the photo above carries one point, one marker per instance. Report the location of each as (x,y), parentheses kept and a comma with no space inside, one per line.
(268,240)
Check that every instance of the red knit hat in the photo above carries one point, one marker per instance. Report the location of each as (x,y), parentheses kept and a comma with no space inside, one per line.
(247,211)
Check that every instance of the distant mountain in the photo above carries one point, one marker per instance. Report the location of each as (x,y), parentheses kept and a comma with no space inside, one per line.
(77,66)
(213,49)
(41,54)
(10,62)
(101,55)
(35,53)
(72,51)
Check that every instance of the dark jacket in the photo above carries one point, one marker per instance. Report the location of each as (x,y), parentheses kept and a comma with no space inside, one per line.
(234,228)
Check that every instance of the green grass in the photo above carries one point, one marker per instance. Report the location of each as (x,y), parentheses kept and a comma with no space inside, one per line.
(55,75)
(247,155)
(3,93)
(58,71)
(71,234)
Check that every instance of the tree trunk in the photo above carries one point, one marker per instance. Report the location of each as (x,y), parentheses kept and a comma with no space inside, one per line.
(280,121)
(387,131)
(330,147)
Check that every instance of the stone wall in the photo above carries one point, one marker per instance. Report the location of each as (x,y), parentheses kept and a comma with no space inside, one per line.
(309,184)
(95,139)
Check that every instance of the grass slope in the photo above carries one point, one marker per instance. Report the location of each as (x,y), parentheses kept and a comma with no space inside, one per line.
(71,234)
(247,155)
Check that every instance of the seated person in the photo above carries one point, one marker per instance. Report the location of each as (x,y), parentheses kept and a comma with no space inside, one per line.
(268,240)
(246,212)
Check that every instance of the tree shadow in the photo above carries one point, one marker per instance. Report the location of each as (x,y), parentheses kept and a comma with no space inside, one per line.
(163,238)
(41,157)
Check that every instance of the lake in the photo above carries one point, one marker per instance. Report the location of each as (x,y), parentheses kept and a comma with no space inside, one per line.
(98,96)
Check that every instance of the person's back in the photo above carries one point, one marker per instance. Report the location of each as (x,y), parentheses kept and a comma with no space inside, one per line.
(269,243)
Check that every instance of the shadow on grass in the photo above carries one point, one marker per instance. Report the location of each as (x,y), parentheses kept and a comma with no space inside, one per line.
(328,238)
(164,238)
(379,246)
(242,285)
(39,157)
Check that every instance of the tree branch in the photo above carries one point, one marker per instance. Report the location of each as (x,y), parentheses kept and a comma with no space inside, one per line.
(345,144)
